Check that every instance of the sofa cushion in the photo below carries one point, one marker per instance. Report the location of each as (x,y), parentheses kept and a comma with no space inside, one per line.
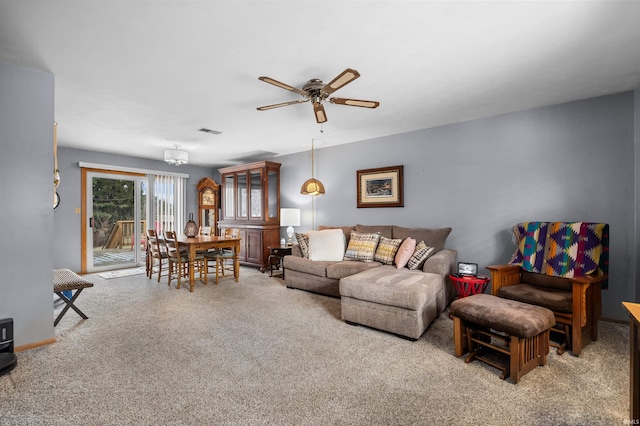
(405,251)
(384,230)
(345,229)
(388,286)
(435,238)
(558,301)
(362,246)
(420,254)
(346,268)
(327,244)
(387,249)
(543,280)
(307,266)
(303,242)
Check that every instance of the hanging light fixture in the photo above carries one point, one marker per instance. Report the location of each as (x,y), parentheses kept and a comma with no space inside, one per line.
(175,156)
(312,186)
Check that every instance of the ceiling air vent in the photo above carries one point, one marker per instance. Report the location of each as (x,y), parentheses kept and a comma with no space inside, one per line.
(213,132)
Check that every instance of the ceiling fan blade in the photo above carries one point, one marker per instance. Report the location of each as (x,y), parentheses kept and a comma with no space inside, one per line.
(266,107)
(344,78)
(318,110)
(355,102)
(282,85)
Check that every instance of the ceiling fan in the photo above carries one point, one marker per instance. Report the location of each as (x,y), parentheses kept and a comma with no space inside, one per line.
(316,91)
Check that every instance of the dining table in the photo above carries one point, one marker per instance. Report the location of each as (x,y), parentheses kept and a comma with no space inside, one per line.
(206,242)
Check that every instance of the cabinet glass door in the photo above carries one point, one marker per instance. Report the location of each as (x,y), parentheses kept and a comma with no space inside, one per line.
(242,195)
(272,183)
(256,194)
(229,197)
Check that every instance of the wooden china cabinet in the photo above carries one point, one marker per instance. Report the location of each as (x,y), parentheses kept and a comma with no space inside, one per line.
(208,204)
(251,203)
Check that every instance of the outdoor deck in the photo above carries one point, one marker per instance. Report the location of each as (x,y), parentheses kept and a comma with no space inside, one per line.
(113,257)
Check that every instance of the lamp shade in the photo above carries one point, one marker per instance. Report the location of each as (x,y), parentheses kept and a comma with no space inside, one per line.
(176,157)
(289,217)
(312,187)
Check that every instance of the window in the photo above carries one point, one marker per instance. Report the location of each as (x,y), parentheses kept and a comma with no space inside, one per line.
(168,203)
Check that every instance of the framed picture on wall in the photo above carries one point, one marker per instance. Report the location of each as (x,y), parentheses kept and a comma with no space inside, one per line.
(381,187)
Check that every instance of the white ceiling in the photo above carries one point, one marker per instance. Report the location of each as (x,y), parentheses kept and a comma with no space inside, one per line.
(137,77)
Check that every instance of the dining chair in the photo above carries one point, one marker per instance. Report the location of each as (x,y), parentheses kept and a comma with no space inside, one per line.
(223,259)
(155,252)
(179,261)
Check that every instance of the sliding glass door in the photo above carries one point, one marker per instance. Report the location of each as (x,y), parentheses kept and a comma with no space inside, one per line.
(117,220)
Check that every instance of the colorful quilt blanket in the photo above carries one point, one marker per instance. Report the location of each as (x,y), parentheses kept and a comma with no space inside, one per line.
(563,249)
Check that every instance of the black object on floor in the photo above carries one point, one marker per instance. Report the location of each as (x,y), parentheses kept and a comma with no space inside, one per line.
(8,359)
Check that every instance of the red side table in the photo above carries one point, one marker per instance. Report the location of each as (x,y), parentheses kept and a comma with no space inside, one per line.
(466,285)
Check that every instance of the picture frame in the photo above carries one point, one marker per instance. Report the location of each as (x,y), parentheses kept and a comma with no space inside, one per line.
(380,187)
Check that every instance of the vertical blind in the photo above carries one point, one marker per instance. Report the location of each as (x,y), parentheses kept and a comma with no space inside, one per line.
(168,202)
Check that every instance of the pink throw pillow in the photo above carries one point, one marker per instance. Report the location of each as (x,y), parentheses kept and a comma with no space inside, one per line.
(405,251)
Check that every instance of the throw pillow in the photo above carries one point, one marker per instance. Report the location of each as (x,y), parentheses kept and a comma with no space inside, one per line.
(405,252)
(362,246)
(387,249)
(420,255)
(303,242)
(326,245)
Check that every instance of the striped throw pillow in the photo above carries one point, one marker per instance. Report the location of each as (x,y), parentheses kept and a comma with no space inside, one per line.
(362,246)
(387,249)
(420,255)
(303,242)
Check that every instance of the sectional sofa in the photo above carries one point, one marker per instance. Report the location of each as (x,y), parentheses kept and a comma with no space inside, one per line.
(375,292)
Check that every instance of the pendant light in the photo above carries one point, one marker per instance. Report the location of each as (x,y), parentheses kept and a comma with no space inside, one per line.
(312,186)
(175,156)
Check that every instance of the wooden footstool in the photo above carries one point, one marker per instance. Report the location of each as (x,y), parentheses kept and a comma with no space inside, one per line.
(483,323)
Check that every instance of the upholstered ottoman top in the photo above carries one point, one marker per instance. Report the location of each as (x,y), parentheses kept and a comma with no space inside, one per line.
(509,316)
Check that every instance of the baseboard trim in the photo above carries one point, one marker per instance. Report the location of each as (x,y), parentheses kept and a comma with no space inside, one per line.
(34,345)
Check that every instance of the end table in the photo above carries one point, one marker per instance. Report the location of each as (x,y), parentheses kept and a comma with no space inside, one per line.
(466,285)
(275,258)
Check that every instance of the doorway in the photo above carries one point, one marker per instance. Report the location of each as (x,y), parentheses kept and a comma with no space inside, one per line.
(116,215)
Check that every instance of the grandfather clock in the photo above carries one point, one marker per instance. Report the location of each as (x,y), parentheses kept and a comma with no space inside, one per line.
(208,204)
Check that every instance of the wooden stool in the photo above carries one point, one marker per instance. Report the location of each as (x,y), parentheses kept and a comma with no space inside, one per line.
(64,280)
(483,323)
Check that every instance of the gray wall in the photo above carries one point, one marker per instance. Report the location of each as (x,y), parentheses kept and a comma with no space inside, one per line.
(67,223)
(636,258)
(568,162)
(26,191)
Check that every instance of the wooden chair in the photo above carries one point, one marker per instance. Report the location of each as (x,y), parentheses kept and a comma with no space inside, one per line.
(576,302)
(179,261)
(223,259)
(156,254)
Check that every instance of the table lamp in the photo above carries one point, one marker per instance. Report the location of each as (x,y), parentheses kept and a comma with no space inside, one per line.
(290,218)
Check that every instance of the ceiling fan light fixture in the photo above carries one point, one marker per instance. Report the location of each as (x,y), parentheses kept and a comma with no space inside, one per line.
(175,156)
(316,92)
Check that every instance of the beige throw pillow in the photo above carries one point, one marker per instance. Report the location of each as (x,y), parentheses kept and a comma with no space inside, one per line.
(326,245)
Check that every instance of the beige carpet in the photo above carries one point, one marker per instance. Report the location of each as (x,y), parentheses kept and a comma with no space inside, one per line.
(256,353)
